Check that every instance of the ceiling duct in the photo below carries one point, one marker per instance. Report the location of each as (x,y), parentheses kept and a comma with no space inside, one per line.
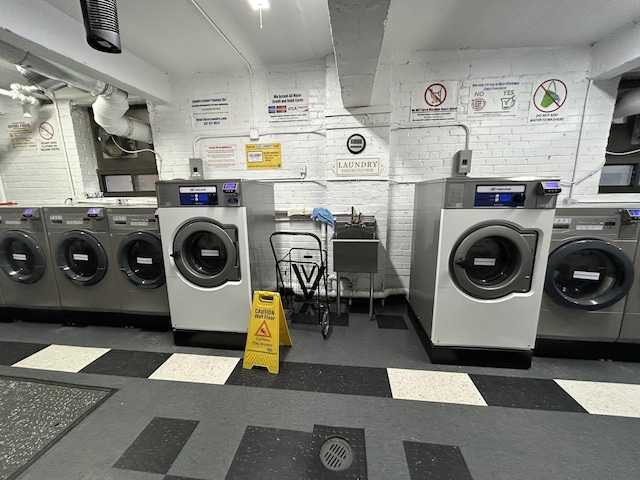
(101,24)
(627,106)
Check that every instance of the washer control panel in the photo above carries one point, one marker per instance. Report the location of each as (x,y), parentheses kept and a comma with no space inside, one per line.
(202,193)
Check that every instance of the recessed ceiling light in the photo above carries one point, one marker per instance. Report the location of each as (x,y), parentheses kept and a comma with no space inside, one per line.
(259,4)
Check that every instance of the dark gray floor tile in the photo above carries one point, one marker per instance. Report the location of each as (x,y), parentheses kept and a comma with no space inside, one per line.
(127,363)
(343,457)
(359,305)
(173,477)
(12,352)
(441,462)
(34,415)
(341,320)
(271,454)
(532,393)
(316,378)
(391,321)
(158,446)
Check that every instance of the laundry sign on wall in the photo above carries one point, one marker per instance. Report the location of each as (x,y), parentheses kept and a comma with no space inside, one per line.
(359,166)
(210,111)
(436,101)
(496,98)
(288,106)
(263,156)
(548,97)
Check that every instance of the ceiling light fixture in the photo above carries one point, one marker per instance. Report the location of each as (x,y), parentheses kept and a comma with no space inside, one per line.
(259,5)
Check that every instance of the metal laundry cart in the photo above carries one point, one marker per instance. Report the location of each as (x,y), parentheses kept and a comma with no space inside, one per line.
(301,270)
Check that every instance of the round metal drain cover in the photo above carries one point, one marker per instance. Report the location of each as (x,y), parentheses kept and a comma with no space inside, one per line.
(336,454)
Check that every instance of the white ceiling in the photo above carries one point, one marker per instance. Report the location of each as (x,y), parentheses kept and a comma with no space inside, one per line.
(176,38)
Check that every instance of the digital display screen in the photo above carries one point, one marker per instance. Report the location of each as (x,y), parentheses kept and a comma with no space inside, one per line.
(551,184)
(28,211)
(93,212)
(634,213)
(199,196)
(499,195)
(229,186)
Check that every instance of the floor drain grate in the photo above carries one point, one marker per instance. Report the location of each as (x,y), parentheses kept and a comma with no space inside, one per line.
(336,454)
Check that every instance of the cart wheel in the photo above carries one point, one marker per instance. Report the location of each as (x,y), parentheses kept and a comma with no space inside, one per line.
(325,325)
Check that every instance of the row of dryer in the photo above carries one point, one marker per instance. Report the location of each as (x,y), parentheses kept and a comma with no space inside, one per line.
(497,271)
(93,259)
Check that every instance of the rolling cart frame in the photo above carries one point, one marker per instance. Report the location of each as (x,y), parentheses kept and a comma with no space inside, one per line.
(301,274)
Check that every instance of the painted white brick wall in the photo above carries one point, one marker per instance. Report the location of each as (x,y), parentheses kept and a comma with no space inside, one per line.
(501,146)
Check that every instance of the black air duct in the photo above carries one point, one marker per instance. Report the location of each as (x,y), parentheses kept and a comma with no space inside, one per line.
(101,24)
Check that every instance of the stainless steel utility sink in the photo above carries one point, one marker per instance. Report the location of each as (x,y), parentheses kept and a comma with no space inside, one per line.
(355,249)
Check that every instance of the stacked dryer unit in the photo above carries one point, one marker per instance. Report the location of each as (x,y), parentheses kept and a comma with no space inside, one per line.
(27,279)
(479,250)
(215,240)
(136,253)
(81,251)
(589,274)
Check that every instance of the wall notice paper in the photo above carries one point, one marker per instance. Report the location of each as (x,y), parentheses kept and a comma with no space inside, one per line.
(210,111)
(288,106)
(21,136)
(495,98)
(263,156)
(219,156)
(437,101)
(547,99)
(48,141)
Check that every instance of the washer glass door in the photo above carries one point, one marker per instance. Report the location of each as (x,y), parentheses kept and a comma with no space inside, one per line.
(82,258)
(588,274)
(205,252)
(140,258)
(493,261)
(21,257)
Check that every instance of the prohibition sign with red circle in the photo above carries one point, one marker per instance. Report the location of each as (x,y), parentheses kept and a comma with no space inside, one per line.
(46,130)
(546,98)
(435,94)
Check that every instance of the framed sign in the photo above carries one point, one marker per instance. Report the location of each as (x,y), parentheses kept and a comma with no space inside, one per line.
(356,143)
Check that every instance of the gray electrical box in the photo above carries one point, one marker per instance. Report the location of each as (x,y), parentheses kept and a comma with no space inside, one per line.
(195,168)
(462,161)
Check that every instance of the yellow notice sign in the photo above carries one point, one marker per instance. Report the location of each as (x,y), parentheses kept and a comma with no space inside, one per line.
(268,330)
(263,156)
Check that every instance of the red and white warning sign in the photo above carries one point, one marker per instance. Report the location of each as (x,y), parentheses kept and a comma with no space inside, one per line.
(46,130)
(263,330)
(435,101)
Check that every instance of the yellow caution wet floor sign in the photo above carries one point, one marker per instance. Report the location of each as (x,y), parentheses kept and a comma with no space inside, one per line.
(268,330)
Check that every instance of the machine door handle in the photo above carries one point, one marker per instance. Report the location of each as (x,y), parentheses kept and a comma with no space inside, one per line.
(175,255)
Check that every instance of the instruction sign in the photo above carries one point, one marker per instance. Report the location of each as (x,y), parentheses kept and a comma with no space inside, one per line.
(263,156)
(495,98)
(288,106)
(547,99)
(268,330)
(219,156)
(21,136)
(210,111)
(436,101)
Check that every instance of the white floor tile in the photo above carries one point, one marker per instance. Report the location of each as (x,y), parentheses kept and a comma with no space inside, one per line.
(183,367)
(62,358)
(601,398)
(427,386)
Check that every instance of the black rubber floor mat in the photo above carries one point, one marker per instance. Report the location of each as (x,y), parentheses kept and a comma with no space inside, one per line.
(392,322)
(35,414)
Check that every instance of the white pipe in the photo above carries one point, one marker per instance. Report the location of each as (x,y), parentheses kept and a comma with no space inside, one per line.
(627,105)
(108,112)
(20,97)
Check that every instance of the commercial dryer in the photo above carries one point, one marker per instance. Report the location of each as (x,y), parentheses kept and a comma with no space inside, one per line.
(27,278)
(80,248)
(136,252)
(477,268)
(215,241)
(588,276)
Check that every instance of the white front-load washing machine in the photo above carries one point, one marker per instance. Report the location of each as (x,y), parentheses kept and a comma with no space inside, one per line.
(477,269)
(27,278)
(136,251)
(589,274)
(215,241)
(81,250)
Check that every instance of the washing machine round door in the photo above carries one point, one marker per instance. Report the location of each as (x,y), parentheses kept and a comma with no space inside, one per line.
(493,261)
(140,258)
(205,253)
(588,274)
(21,257)
(82,258)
